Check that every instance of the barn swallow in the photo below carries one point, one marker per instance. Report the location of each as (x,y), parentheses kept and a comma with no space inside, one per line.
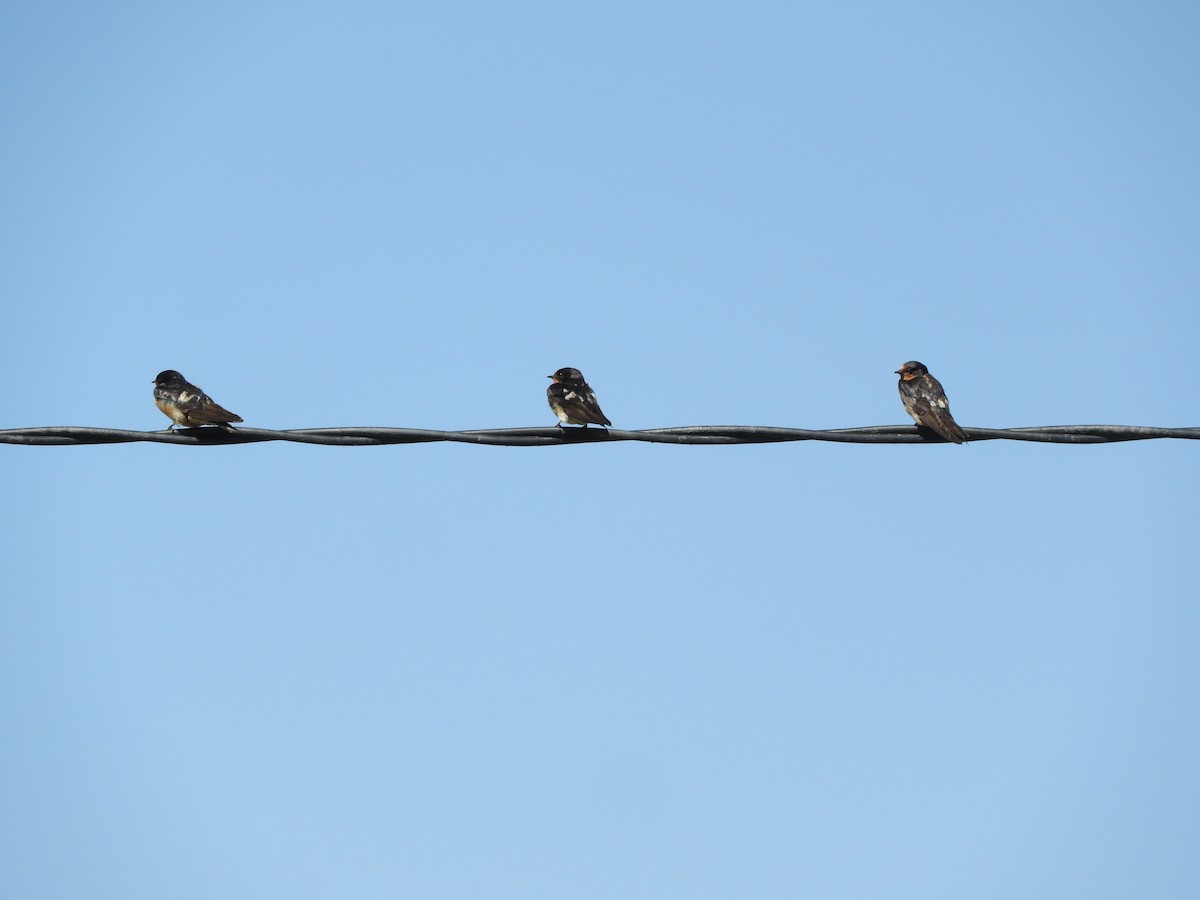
(185,404)
(926,402)
(572,400)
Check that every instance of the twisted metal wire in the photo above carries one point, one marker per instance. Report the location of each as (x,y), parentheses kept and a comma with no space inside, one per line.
(553,436)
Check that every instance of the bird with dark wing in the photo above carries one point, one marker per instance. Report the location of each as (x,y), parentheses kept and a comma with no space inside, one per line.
(188,406)
(926,402)
(573,401)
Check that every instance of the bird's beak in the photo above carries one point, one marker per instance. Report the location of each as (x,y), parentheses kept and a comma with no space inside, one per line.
(898,372)
(549,376)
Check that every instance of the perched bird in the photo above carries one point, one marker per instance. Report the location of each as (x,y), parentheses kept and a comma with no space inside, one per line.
(185,404)
(572,400)
(925,401)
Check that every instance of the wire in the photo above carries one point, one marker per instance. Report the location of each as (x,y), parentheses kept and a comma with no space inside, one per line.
(553,436)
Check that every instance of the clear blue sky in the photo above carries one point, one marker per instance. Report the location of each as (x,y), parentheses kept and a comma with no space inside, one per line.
(604,671)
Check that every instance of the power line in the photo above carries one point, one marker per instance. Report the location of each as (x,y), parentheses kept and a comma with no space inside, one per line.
(551,436)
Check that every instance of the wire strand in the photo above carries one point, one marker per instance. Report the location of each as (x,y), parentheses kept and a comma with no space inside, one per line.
(553,436)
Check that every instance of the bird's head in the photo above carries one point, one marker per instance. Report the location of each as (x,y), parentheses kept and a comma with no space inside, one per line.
(567,375)
(911,370)
(167,377)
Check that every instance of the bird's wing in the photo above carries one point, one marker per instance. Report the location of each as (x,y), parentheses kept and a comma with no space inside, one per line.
(929,407)
(201,409)
(940,420)
(579,404)
(587,400)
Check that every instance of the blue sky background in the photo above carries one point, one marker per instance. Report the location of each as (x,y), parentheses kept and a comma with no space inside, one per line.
(600,671)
